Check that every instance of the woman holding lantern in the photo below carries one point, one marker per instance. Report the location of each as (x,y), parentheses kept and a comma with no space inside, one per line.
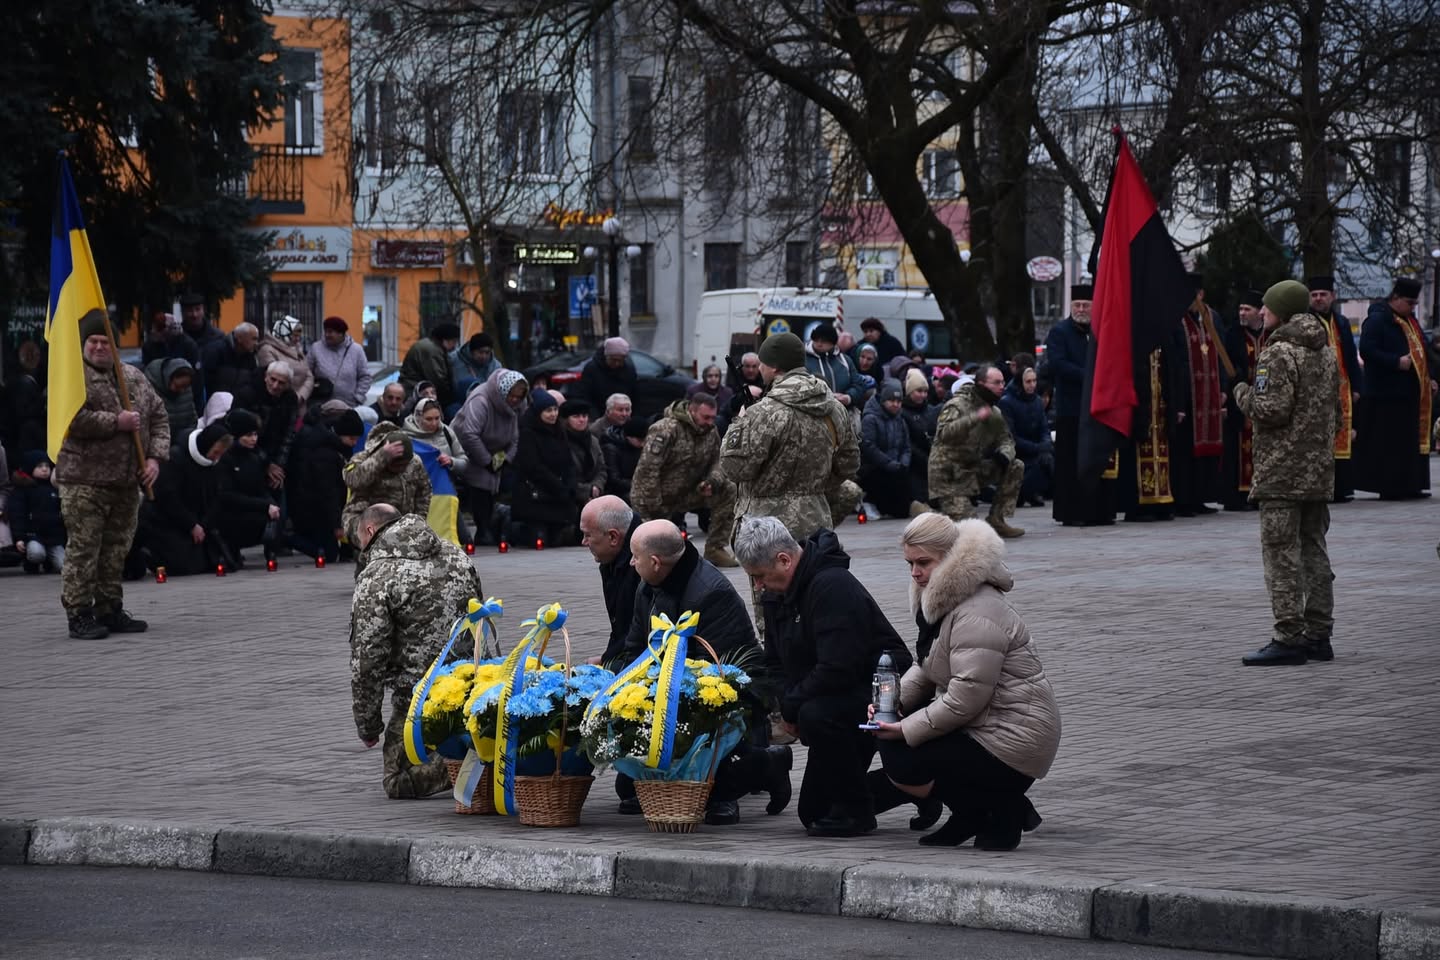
(978,719)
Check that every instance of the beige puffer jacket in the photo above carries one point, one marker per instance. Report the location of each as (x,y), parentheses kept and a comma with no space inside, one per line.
(983,673)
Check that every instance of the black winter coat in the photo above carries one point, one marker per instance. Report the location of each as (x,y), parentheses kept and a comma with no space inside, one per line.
(187,494)
(229,371)
(544,474)
(244,496)
(1382,344)
(1028,424)
(34,511)
(884,440)
(619,581)
(315,482)
(620,462)
(825,634)
(920,421)
(277,423)
(598,381)
(695,584)
(1066,349)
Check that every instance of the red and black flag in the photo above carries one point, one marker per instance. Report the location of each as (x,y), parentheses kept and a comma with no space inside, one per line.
(1141,292)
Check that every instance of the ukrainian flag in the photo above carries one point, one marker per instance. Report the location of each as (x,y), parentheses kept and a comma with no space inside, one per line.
(444,501)
(74,292)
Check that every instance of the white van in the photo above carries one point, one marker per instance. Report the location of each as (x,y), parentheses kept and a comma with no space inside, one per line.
(734,321)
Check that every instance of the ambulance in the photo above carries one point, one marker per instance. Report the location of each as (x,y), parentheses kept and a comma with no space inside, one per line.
(731,322)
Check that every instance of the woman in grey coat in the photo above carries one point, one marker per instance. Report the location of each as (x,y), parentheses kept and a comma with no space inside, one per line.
(488,428)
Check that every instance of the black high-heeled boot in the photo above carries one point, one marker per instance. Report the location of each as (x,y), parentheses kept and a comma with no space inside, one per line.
(887,796)
(960,827)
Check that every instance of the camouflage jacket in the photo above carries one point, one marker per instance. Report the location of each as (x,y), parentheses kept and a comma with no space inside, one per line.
(96,453)
(410,590)
(962,440)
(788,450)
(370,480)
(1293,403)
(676,459)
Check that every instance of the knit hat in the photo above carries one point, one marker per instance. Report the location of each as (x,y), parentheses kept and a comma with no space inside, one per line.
(92,325)
(207,437)
(348,424)
(506,380)
(915,380)
(541,399)
(1287,298)
(336,324)
(890,390)
(824,333)
(240,422)
(616,347)
(783,351)
(481,341)
(635,427)
(31,459)
(572,408)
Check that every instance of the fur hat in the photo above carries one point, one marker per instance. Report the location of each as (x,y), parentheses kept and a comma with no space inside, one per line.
(572,408)
(240,422)
(348,424)
(783,351)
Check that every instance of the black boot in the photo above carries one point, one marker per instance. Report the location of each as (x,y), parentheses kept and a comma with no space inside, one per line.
(722,813)
(779,760)
(887,796)
(960,827)
(1001,830)
(120,621)
(84,626)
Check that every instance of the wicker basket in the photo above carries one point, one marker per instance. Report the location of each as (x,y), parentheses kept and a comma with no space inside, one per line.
(673,806)
(483,803)
(552,801)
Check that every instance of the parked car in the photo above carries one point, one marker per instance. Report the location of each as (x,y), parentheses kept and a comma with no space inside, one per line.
(660,383)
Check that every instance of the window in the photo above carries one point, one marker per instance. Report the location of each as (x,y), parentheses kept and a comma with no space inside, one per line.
(1392,170)
(798,153)
(942,173)
(267,302)
(1213,188)
(300,70)
(439,303)
(381,143)
(640,298)
(1337,168)
(642,120)
(722,266)
(437,106)
(876,268)
(797,263)
(532,132)
(723,128)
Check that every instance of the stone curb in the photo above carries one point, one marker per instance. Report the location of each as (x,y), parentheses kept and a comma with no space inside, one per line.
(1050,905)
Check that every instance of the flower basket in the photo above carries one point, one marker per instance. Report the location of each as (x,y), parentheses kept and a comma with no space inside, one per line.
(552,801)
(483,803)
(673,806)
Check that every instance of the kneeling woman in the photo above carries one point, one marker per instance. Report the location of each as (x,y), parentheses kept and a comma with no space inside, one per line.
(979,722)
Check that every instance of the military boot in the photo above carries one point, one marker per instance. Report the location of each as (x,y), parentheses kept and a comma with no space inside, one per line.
(84,626)
(999,525)
(120,621)
(718,555)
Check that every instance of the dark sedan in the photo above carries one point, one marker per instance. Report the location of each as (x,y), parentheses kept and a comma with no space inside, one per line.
(660,383)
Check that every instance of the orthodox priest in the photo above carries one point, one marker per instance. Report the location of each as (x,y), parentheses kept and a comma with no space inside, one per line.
(1067,348)
(1199,441)
(1397,400)
(1342,344)
(1242,344)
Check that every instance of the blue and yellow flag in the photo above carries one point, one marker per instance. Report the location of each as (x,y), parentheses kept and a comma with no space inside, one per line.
(444,501)
(74,292)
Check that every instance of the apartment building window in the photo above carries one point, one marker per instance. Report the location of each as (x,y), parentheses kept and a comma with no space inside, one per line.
(642,120)
(438,110)
(876,268)
(1392,170)
(440,302)
(382,142)
(267,302)
(1213,186)
(642,300)
(724,129)
(722,266)
(797,263)
(300,69)
(942,173)
(532,132)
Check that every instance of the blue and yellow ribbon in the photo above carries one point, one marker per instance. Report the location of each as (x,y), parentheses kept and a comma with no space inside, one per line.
(668,646)
(478,617)
(507,747)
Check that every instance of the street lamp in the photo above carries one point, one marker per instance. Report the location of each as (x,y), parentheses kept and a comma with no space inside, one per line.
(1435,288)
(611,229)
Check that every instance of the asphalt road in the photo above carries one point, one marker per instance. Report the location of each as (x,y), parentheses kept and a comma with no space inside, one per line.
(73,912)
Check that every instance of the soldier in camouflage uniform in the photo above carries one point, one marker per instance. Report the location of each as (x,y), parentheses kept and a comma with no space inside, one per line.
(408,594)
(679,470)
(386,471)
(973,449)
(99,485)
(1294,406)
(790,454)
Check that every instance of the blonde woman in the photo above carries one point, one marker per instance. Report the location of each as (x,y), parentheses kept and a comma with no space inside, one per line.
(979,723)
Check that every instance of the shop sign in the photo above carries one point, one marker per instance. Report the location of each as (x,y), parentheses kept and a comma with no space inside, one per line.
(546,253)
(307,249)
(563,218)
(402,254)
(1044,269)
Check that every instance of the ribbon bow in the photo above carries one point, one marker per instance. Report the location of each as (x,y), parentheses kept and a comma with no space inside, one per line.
(476,620)
(669,643)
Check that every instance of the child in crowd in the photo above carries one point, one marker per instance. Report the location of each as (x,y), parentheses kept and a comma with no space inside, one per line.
(34,511)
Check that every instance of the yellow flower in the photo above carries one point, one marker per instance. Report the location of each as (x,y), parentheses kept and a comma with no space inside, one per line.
(466,671)
(696,664)
(727,692)
(717,694)
(486,749)
(708,681)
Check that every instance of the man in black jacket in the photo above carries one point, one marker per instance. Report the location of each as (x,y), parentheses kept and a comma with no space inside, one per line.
(607,523)
(676,579)
(824,635)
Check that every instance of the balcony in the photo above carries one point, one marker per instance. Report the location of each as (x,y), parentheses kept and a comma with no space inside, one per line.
(276,182)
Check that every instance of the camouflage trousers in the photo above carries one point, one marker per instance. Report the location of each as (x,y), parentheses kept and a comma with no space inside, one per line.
(720,503)
(954,497)
(99,527)
(1297,569)
(402,779)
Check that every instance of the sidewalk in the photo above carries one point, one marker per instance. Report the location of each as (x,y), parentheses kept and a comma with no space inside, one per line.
(1179,768)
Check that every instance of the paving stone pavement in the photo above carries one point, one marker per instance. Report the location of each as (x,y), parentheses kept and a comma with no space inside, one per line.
(1178,766)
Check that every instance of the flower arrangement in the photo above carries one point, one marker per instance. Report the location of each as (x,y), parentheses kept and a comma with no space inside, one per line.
(667,716)
(436,720)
